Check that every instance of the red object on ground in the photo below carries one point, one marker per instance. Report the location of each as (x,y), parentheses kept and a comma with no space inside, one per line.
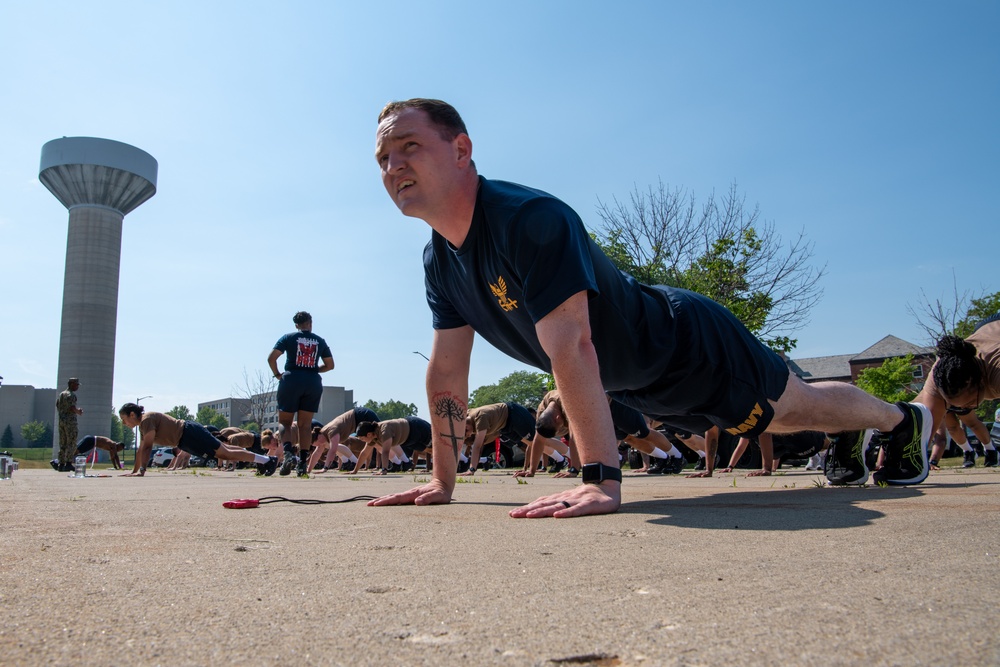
(241,503)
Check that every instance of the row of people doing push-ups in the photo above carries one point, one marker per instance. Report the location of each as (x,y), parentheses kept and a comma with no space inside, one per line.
(358,440)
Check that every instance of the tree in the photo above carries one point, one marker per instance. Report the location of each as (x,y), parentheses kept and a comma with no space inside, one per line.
(180,412)
(208,416)
(7,439)
(391,409)
(892,381)
(37,434)
(524,387)
(724,251)
(253,427)
(257,391)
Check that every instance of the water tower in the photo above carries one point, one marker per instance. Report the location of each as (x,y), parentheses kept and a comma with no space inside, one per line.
(99,181)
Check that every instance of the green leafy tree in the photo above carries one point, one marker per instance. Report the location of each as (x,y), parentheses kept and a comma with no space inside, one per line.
(253,427)
(979,309)
(7,439)
(524,387)
(119,433)
(721,249)
(181,412)
(392,409)
(209,416)
(37,434)
(892,381)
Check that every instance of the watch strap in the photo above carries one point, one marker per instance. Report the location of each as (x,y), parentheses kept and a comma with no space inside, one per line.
(595,473)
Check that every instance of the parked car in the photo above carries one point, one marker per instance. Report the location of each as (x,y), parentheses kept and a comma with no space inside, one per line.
(511,454)
(162,456)
(201,462)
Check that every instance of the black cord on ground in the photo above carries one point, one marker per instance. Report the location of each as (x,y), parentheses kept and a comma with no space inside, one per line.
(301,501)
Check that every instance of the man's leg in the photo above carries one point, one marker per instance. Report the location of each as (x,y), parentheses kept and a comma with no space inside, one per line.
(904,429)
(305,441)
(288,448)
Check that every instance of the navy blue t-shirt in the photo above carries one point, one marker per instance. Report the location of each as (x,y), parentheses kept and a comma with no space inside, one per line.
(303,350)
(525,254)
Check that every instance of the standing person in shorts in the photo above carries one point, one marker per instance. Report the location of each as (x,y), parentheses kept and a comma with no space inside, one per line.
(156,428)
(337,432)
(300,387)
(517,266)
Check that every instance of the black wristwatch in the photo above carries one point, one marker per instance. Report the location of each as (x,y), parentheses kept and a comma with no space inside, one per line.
(595,473)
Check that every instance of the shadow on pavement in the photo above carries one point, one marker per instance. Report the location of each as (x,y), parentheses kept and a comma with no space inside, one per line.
(793,509)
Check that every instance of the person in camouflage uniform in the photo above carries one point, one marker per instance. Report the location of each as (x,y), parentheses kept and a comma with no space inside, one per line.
(66,407)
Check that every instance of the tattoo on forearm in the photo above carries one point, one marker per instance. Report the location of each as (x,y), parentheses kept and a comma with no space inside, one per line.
(447,406)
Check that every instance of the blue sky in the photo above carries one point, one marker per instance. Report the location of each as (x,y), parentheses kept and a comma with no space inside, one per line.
(869,126)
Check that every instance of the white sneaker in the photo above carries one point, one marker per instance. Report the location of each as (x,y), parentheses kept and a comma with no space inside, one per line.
(814,463)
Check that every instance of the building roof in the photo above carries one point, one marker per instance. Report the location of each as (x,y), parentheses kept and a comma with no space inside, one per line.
(891,347)
(839,366)
(822,368)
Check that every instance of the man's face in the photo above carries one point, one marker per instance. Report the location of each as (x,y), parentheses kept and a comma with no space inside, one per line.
(73,386)
(420,170)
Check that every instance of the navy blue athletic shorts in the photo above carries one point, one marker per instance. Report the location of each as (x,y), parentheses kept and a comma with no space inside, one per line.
(520,423)
(364,415)
(87,443)
(198,440)
(419,438)
(299,390)
(720,375)
(798,445)
(628,421)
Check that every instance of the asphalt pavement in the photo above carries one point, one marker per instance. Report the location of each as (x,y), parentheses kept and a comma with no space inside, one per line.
(729,570)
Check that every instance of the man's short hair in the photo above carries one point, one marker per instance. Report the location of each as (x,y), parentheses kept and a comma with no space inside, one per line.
(301,317)
(442,114)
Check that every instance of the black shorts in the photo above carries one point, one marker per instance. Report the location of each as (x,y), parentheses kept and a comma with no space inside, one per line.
(720,375)
(628,421)
(299,390)
(198,441)
(364,415)
(87,443)
(419,438)
(799,445)
(520,424)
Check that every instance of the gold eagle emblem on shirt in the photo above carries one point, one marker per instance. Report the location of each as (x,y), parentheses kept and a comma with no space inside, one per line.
(500,292)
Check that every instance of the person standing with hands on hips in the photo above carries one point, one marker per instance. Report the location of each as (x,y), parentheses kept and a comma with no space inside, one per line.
(300,387)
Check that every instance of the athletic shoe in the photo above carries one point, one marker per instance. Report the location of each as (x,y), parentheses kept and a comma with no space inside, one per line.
(814,463)
(905,447)
(846,462)
(55,465)
(700,465)
(463,466)
(287,463)
(991,458)
(674,465)
(267,469)
(557,466)
(302,468)
(406,466)
(970,459)
(347,466)
(657,466)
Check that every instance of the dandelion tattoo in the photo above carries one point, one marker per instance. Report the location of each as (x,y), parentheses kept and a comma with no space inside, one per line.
(451,408)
